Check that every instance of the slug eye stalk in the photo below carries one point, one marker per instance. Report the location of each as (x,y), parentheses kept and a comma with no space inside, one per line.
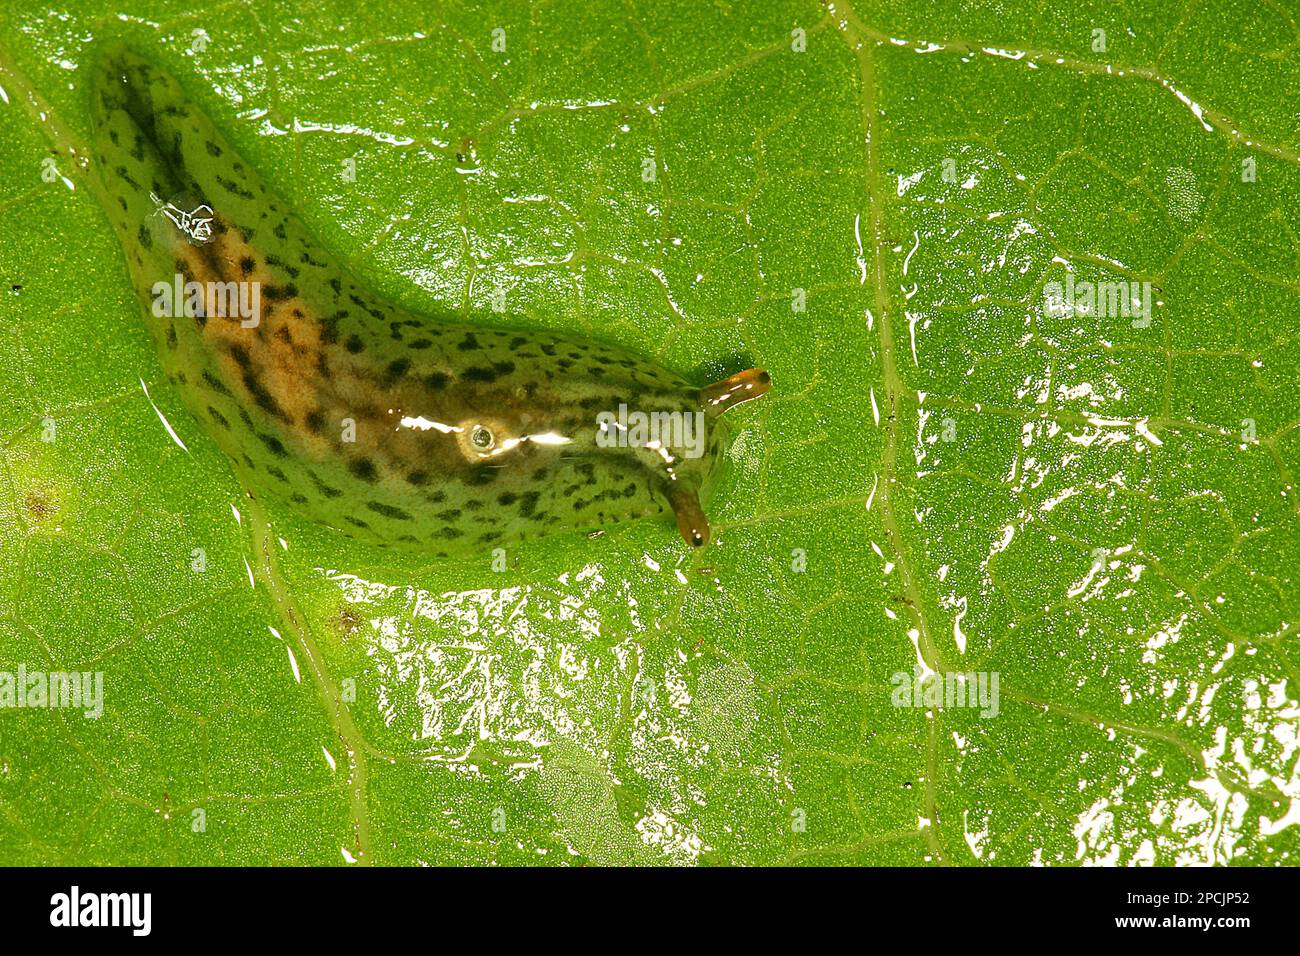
(735,390)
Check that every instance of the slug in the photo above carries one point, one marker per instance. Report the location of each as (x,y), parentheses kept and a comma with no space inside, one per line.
(398,429)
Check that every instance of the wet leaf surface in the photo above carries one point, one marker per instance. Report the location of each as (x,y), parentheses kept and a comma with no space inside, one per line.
(952,475)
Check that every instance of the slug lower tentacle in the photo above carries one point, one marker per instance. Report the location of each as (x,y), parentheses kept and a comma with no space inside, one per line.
(396,428)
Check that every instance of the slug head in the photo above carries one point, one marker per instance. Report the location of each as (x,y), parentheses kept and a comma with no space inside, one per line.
(682,440)
(614,457)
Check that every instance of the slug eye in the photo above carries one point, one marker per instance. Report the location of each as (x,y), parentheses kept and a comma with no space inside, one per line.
(481,437)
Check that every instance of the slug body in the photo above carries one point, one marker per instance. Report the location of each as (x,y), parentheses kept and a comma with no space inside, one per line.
(396,428)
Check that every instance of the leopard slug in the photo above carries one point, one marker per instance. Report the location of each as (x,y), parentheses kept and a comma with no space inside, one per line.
(396,428)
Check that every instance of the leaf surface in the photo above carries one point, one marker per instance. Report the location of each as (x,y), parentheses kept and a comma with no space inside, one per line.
(948,476)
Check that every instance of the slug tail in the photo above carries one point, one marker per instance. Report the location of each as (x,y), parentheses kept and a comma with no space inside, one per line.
(735,390)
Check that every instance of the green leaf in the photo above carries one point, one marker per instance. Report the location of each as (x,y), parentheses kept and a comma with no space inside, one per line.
(950,474)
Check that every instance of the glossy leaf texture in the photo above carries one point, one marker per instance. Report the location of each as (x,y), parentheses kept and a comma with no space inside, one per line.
(951,475)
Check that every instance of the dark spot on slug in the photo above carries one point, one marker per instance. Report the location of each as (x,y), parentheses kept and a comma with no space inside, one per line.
(215,384)
(363,468)
(276,292)
(329,328)
(324,489)
(274,444)
(232,187)
(264,399)
(278,263)
(388,511)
